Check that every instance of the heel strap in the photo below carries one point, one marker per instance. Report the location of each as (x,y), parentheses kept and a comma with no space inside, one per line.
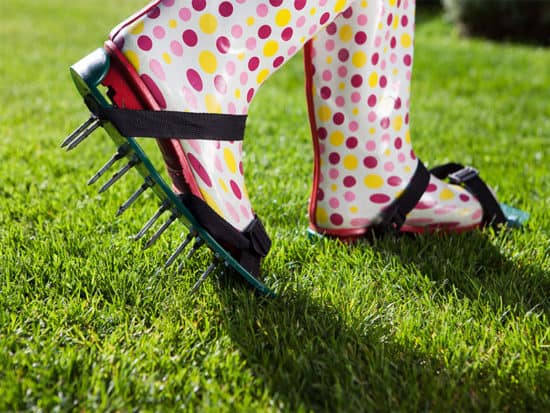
(394,215)
(469,178)
(248,246)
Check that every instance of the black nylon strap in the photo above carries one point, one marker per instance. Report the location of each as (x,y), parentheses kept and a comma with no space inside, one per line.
(251,245)
(165,124)
(460,175)
(394,215)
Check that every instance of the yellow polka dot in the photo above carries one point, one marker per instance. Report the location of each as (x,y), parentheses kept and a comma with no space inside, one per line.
(387,152)
(406,40)
(223,186)
(336,138)
(238,93)
(250,21)
(354,209)
(408,136)
(230,160)
(133,58)
(395,23)
(245,193)
(446,194)
(283,17)
(329,60)
(464,212)
(262,76)
(138,28)
(313,11)
(355,111)
(342,86)
(364,3)
(407,169)
(324,113)
(334,188)
(167,58)
(372,131)
(270,48)
(172,23)
(350,162)
(321,216)
(395,72)
(397,123)
(359,59)
(373,79)
(346,33)
(208,61)
(210,201)
(212,104)
(241,56)
(208,23)
(392,2)
(339,6)
(374,181)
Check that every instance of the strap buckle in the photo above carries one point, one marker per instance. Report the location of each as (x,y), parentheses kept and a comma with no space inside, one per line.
(463,175)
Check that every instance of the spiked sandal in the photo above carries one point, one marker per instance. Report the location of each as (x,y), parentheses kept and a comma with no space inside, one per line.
(366,175)
(185,72)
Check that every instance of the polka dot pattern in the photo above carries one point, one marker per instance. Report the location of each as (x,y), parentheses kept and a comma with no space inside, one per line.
(212,57)
(361,64)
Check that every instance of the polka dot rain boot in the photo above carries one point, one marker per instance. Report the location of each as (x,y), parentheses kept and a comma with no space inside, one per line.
(185,72)
(366,174)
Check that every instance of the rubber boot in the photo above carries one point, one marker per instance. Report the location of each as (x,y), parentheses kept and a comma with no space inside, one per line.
(185,72)
(366,174)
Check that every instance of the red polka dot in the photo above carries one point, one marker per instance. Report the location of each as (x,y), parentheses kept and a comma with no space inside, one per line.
(287,33)
(325,92)
(253,63)
(349,181)
(153,13)
(145,43)
(322,133)
(334,158)
(352,142)
(464,197)
(199,169)
(338,118)
(407,59)
(398,143)
(385,123)
(360,38)
(343,55)
(225,9)
(275,3)
(190,38)
(154,89)
(370,162)
(348,13)
(222,44)
(278,61)
(250,95)
(371,101)
(236,190)
(380,198)
(299,4)
(431,188)
(320,194)
(324,18)
(356,80)
(394,181)
(194,79)
(198,4)
(383,81)
(336,219)
(264,31)
(397,104)
(331,28)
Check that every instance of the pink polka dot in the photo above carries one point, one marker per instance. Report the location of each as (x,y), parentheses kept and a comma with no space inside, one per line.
(370,145)
(355,97)
(292,50)
(340,101)
(343,72)
(195,144)
(168,3)
(262,10)
(300,21)
(220,84)
(185,14)
(218,164)
(231,108)
(230,68)
(176,48)
(251,43)
(333,173)
(159,32)
(349,196)
(156,68)
(426,204)
(237,31)
(334,203)
(329,45)
(327,75)
(244,78)
(232,211)
(371,116)
(388,167)
(360,222)
(245,212)
(190,98)
(362,19)
(353,126)
(477,215)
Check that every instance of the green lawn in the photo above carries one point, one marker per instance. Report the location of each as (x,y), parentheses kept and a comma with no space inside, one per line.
(437,323)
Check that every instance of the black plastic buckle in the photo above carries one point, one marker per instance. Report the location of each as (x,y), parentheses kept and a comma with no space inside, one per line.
(463,175)
(392,221)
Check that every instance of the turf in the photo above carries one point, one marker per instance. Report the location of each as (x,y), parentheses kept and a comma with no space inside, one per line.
(434,323)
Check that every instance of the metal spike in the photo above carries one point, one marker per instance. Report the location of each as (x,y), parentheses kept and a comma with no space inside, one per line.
(133,162)
(146,185)
(121,151)
(78,138)
(78,131)
(204,276)
(162,209)
(180,249)
(161,230)
(196,246)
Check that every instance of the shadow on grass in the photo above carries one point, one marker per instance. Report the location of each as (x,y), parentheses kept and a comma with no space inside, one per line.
(312,356)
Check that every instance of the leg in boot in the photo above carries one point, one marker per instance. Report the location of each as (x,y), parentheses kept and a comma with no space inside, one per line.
(366,172)
(200,64)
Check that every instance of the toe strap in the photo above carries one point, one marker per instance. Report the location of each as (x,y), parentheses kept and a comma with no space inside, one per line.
(248,246)
(469,178)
